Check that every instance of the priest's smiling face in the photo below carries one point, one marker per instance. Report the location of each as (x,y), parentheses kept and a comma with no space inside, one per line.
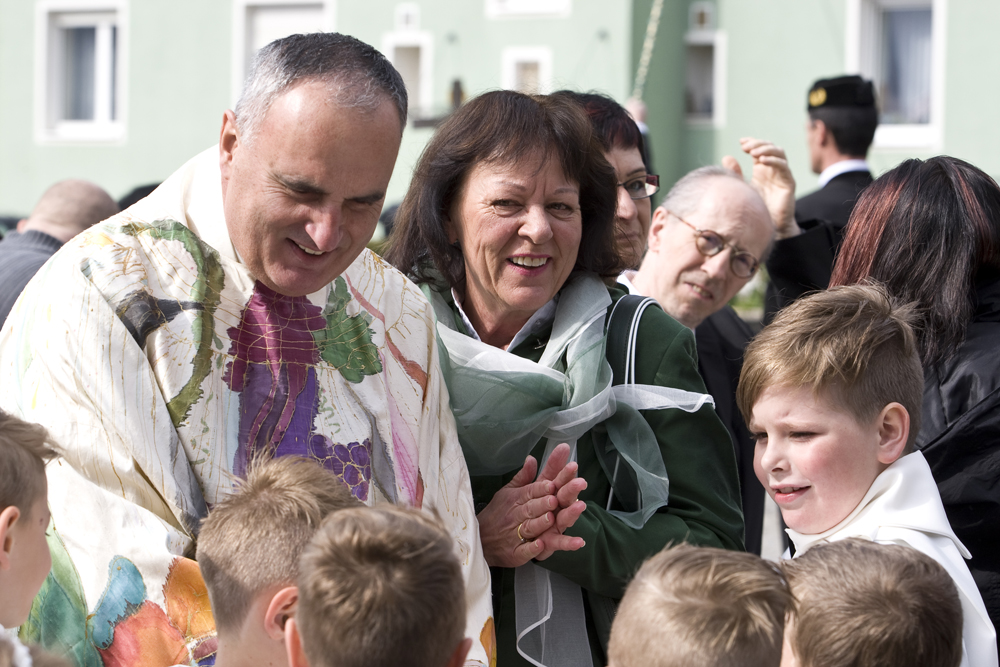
(303,195)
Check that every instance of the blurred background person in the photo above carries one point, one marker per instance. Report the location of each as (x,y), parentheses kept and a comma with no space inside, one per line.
(66,209)
(841,127)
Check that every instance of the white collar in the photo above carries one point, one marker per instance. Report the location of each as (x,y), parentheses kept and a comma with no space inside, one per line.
(842,167)
(192,196)
(539,320)
(625,279)
(905,496)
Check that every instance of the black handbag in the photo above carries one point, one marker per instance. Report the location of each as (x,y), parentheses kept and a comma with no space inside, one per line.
(622,328)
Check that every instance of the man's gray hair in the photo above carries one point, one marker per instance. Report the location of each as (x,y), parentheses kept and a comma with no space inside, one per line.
(684,198)
(358,75)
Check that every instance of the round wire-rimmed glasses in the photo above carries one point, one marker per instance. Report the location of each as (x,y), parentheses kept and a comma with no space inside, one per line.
(641,187)
(710,244)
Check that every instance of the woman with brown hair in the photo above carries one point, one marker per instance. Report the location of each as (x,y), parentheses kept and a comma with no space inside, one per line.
(509,227)
(930,231)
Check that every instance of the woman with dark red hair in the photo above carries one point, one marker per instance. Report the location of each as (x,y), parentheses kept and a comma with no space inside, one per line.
(930,231)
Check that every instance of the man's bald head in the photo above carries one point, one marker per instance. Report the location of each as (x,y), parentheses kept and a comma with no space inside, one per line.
(689,284)
(68,208)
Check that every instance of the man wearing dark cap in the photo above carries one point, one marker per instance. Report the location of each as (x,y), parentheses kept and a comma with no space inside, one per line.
(842,122)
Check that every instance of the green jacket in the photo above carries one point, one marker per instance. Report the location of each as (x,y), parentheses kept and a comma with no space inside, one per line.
(704,506)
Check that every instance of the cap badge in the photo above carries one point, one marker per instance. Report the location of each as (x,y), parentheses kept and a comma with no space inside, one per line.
(817,97)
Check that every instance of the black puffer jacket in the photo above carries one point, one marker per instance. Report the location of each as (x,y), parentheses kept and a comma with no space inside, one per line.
(960,438)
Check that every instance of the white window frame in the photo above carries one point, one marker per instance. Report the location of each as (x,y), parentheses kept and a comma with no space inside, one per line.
(423,40)
(718,40)
(512,55)
(860,58)
(522,9)
(239,43)
(102,129)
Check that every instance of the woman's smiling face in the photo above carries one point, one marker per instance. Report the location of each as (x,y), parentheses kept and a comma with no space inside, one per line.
(519,229)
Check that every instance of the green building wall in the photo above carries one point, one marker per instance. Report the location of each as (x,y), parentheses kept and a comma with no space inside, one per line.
(179,83)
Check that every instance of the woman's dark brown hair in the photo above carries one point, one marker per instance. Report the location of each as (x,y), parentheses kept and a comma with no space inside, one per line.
(615,127)
(930,231)
(508,128)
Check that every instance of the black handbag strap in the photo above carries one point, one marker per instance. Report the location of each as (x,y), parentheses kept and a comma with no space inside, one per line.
(622,328)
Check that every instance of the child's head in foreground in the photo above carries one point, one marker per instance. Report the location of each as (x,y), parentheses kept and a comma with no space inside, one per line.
(250,543)
(378,588)
(861,604)
(831,390)
(24,516)
(701,607)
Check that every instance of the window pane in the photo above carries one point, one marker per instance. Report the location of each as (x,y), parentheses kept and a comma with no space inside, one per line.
(906,66)
(266,23)
(114,72)
(407,62)
(78,91)
(528,77)
(698,87)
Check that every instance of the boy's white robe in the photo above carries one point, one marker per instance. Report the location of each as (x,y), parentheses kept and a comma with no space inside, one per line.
(903,506)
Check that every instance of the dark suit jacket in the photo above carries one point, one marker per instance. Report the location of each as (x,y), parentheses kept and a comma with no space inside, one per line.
(21,255)
(804,263)
(720,340)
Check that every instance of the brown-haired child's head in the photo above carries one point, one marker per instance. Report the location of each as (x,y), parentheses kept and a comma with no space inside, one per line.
(24,516)
(861,604)
(699,606)
(251,541)
(831,390)
(380,587)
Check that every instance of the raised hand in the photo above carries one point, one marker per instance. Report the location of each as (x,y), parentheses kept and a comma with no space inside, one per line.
(773,179)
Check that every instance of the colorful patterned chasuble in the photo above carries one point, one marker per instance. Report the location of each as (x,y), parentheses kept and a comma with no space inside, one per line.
(162,367)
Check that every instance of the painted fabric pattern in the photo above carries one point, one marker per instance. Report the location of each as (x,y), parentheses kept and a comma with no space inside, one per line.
(162,366)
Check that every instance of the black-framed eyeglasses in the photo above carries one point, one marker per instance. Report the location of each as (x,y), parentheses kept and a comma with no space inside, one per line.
(710,244)
(641,187)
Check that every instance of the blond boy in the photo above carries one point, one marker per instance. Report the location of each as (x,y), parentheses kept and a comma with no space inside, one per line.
(860,604)
(379,588)
(249,548)
(701,607)
(24,516)
(831,391)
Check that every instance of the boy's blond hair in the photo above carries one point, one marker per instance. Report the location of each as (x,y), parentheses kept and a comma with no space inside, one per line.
(700,606)
(380,587)
(25,448)
(253,539)
(853,344)
(862,604)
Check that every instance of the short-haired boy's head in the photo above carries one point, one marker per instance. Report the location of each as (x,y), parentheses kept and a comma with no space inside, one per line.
(252,540)
(380,587)
(852,344)
(699,606)
(25,448)
(862,604)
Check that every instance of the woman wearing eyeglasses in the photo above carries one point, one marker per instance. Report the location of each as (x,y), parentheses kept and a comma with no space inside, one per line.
(509,226)
(623,147)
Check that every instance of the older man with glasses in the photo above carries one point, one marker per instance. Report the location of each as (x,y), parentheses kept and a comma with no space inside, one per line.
(706,241)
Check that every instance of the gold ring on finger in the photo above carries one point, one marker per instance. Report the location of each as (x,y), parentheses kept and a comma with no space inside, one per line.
(519,535)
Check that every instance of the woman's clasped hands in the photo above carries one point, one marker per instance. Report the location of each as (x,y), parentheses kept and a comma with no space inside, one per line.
(527,518)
